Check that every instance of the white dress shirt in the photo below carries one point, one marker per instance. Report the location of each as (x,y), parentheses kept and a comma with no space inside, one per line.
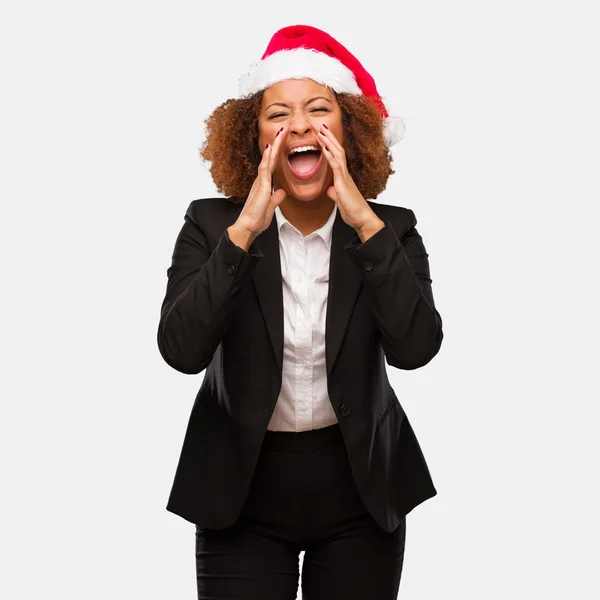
(303,402)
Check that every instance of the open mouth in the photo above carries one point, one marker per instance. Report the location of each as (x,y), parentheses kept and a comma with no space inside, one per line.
(305,162)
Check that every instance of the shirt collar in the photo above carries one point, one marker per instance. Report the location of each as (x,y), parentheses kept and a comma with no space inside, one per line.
(325,231)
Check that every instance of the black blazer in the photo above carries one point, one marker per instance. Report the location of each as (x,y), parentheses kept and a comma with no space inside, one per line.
(223,312)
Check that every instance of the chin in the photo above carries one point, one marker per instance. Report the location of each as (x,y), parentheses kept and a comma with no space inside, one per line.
(305,192)
(306,195)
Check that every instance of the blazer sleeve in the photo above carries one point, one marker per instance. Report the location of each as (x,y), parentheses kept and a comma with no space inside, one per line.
(201,288)
(396,274)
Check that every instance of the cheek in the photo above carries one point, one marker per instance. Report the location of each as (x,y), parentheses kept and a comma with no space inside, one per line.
(335,126)
(265,135)
(328,120)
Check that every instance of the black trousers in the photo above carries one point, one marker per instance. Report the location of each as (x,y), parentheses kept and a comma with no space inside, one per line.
(302,498)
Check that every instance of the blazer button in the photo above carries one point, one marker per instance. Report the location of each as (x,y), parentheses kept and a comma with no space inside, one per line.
(344,410)
(368,265)
(230,269)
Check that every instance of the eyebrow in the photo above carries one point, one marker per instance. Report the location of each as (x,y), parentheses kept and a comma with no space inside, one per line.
(307,102)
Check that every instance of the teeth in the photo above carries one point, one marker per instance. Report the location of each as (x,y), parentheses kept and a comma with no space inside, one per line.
(303,149)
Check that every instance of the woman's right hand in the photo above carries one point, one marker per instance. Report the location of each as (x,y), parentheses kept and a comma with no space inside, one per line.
(259,208)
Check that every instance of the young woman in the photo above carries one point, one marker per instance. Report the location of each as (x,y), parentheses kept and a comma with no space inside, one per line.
(293,292)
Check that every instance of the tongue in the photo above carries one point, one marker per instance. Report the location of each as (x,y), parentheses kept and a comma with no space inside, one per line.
(304,162)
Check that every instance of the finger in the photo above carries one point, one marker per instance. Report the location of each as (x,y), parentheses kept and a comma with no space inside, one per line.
(280,137)
(266,153)
(329,136)
(276,200)
(253,188)
(331,154)
(330,142)
(264,172)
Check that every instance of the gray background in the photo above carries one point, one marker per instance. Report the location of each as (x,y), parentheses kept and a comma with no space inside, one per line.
(102,116)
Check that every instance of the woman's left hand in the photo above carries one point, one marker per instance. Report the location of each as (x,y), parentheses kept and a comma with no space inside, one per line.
(353,208)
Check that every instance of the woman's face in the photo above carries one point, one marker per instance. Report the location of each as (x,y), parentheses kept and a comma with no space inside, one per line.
(301,106)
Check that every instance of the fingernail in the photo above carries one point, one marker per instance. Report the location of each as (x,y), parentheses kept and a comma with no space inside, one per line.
(281,129)
(278,133)
(326,148)
(266,146)
(325,126)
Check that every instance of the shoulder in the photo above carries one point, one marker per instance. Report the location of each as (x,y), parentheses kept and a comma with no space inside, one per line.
(402,219)
(211,216)
(207,208)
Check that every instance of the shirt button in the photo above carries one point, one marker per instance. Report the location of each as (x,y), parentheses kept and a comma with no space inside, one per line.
(368,266)
(230,269)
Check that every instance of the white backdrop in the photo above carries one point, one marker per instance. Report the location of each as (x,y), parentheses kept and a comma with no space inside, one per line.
(102,116)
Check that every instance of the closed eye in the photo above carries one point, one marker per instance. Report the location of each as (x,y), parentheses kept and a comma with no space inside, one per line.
(321,108)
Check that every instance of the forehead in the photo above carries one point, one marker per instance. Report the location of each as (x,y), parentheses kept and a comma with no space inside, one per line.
(295,91)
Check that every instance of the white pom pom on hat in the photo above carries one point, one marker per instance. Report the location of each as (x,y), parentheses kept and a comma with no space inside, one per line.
(305,52)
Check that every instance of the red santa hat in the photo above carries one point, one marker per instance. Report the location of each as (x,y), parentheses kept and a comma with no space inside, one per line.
(304,52)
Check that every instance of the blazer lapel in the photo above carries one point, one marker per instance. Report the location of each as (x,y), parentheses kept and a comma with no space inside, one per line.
(267,282)
(344,285)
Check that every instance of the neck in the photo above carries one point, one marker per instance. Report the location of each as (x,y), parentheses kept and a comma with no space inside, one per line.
(307,215)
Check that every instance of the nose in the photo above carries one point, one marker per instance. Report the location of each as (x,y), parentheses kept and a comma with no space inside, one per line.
(299,124)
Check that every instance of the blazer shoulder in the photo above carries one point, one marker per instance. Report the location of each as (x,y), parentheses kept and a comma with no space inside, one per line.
(207,208)
(212,216)
(402,218)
